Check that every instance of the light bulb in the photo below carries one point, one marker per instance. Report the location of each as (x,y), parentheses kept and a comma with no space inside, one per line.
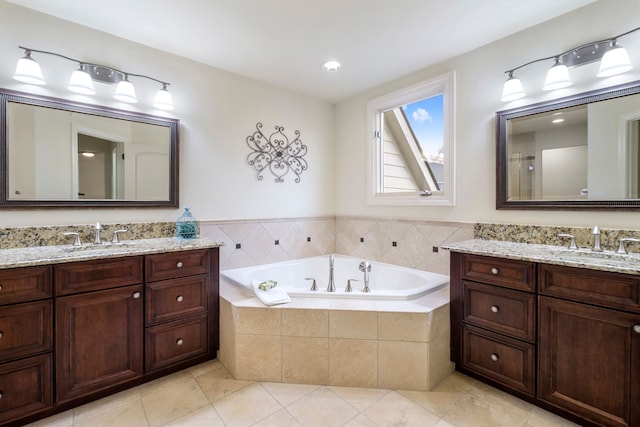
(614,61)
(28,70)
(81,82)
(557,77)
(512,89)
(163,100)
(125,92)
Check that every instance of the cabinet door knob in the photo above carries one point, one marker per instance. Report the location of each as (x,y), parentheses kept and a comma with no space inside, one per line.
(636,328)
(180,298)
(136,295)
(495,309)
(494,357)
(0,395)
(1,334)
(179,341)
(495,271)
(179,264)
(0,287)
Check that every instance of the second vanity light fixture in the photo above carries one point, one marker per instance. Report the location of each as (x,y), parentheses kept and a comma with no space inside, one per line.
(614,59)
(28,71)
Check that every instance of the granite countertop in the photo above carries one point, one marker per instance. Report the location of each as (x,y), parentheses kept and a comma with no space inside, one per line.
(558,255)
(40,255)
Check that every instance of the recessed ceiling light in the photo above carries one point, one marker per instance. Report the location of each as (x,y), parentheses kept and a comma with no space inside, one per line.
(331,65)
(556,121)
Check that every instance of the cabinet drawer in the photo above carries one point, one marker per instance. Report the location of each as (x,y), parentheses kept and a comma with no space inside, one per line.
(26,387)
(502,310)
(96,275)
(173,342)
(499,358)
(171,299)
(25,329)
(502,272)
(176,264)
(25,284)
(598,287)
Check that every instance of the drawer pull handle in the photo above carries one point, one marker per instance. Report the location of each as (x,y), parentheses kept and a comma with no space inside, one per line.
(136,295)
(180,298)
(179,341)
(1,334)
(636,328)
(0,287)
(0,395)
(179,264)
(495,271)
(494,357)
(495,309)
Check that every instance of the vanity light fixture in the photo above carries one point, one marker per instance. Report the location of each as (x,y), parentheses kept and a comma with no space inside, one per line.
(613,58)
(28,71)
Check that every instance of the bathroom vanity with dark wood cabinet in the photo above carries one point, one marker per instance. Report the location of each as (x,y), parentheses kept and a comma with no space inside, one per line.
(75,331)
(563,337)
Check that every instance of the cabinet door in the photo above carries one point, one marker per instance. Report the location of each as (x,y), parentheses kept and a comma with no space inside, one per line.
(589,361)
(25,387)
(98,340)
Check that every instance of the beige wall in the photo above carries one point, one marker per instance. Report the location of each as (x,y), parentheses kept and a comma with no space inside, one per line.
(217,110)
(479,79)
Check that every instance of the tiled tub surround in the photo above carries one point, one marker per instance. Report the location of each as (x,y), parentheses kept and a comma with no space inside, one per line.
(352,343)
(408,243)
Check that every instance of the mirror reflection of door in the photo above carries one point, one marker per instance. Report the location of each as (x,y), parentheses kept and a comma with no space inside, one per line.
(100,168)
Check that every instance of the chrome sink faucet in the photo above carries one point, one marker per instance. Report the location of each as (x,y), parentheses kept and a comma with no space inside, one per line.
(98,239)
(331,287)
(596,239)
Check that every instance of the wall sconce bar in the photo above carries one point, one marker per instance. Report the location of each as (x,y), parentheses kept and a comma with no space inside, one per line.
(613,58)
(28,71)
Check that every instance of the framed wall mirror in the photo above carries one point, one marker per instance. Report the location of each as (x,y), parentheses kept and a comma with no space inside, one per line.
(58,153)
(578,152)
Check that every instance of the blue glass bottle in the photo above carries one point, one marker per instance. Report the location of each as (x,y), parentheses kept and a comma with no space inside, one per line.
(186,226)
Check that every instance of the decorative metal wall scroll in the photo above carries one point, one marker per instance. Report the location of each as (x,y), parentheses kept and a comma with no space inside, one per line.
(276,153)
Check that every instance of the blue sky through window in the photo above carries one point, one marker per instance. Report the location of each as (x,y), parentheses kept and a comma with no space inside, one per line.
(426,118)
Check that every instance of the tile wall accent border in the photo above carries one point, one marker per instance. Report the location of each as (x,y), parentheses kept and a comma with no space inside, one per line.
(409,243)
(263,241)
(547,235)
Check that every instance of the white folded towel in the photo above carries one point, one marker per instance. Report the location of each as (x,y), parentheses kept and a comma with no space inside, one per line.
(271,296)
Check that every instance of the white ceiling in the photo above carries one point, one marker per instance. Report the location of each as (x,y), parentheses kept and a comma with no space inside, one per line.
(284,42)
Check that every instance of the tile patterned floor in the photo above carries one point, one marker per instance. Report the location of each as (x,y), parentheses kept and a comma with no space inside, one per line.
(207,395)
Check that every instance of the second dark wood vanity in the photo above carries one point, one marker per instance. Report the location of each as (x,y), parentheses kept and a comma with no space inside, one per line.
(562,337)
(73,332)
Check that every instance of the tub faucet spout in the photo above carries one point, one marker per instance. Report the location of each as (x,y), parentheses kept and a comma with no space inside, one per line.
(331,287)
(365,267)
